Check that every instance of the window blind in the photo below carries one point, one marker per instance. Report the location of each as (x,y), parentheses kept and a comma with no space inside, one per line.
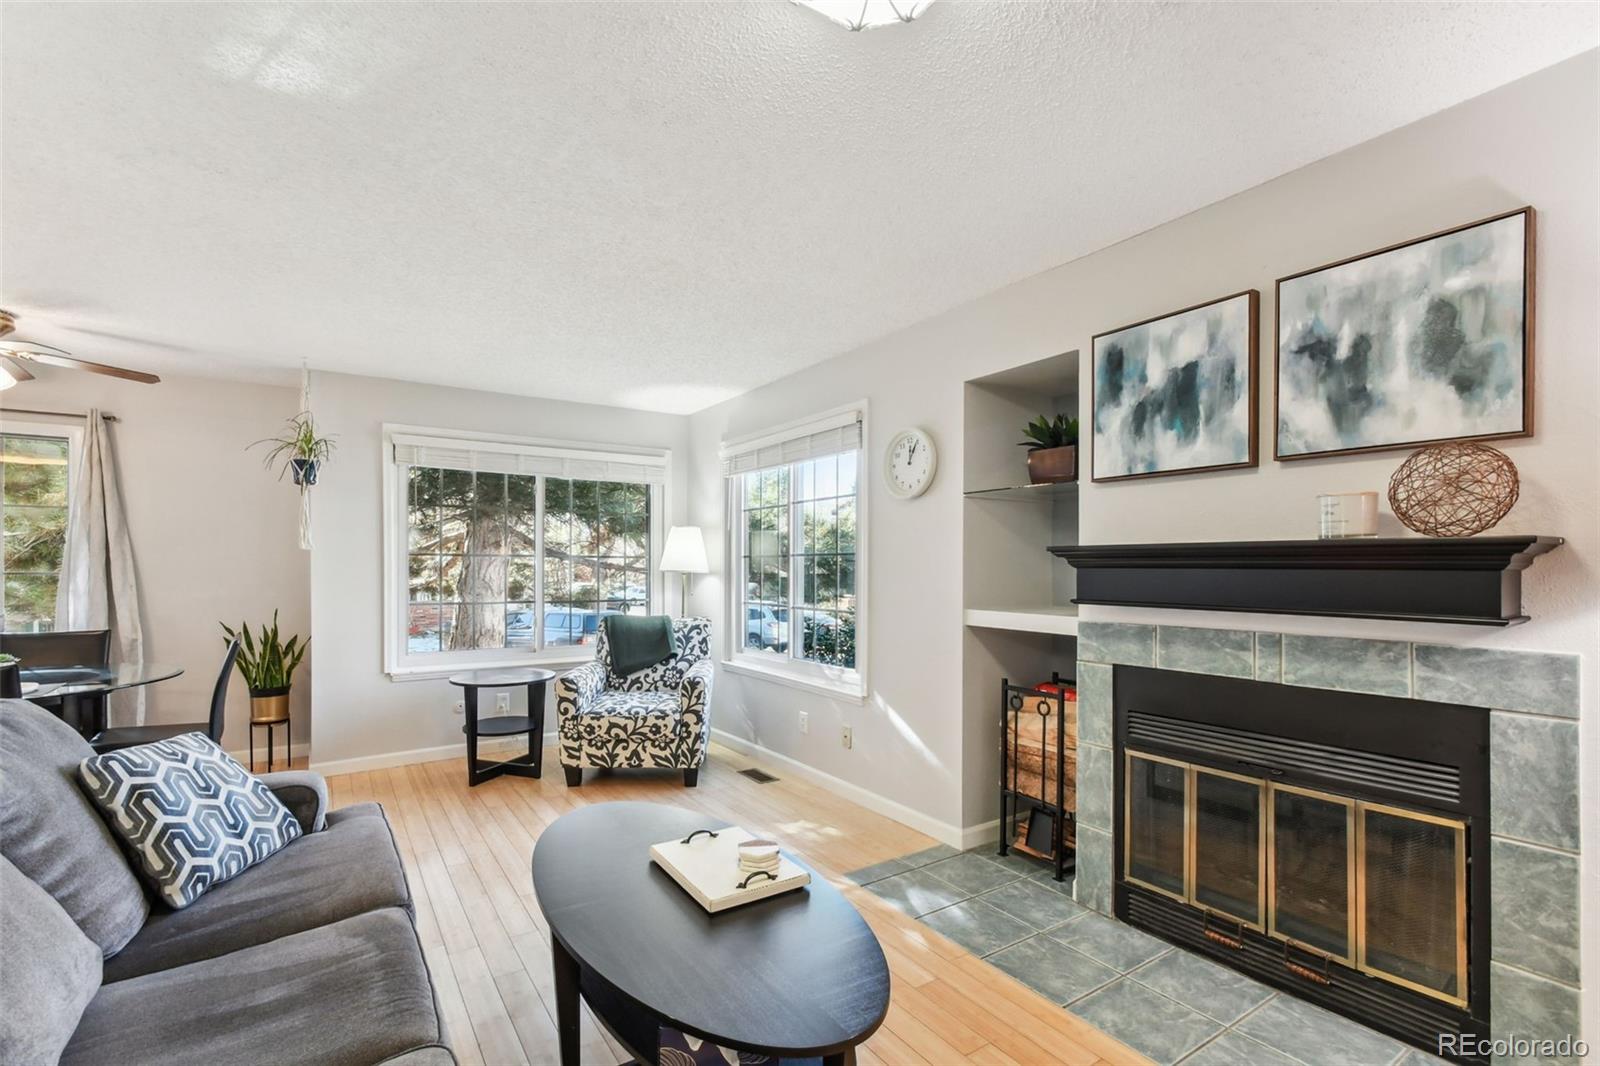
(497,457)
(797,443)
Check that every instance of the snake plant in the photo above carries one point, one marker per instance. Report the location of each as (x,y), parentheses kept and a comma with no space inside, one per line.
(266,662)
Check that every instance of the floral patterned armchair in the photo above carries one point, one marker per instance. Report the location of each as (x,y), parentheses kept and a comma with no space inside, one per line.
(660,716)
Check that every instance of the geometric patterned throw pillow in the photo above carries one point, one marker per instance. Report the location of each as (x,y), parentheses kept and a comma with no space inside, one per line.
(189,812)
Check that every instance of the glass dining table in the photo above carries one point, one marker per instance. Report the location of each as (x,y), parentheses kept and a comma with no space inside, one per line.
(77,694)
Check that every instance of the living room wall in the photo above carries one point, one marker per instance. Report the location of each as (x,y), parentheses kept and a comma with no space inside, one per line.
(363,719)
(214,535)
(1531,142)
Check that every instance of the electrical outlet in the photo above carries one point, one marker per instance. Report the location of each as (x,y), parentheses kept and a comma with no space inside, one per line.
(847,738)
(502,703)
(805,722)
(460,708)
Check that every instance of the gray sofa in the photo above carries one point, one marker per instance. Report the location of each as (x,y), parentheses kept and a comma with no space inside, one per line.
(308,957)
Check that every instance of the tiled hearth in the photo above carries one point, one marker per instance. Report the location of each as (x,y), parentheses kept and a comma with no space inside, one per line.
(1158,999)
(1532,703)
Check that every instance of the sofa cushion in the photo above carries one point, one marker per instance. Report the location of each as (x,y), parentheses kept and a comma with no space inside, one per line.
(54,835)
(356,991)
(349,868)
(49,974)
(189,812)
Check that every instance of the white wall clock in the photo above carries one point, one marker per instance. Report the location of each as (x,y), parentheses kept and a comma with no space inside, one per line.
(910,463)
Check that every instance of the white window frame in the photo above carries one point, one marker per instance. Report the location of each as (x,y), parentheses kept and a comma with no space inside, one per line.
(833,681)
(72,432)
(402,664)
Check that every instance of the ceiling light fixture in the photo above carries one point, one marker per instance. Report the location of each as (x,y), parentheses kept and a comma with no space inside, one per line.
(867,14)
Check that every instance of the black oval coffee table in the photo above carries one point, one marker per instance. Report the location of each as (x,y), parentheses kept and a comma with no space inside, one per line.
(795,976)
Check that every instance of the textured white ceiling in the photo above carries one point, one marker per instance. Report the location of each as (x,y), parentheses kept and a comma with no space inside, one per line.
(654,204)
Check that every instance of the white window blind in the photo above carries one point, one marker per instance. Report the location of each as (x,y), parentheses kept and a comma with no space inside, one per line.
(497,457)
(809,440)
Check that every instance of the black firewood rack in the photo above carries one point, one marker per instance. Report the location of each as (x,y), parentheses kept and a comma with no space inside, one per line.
(1046,821)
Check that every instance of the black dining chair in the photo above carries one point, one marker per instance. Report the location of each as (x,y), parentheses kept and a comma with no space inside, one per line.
(128,736)
(72,647)
(61,656)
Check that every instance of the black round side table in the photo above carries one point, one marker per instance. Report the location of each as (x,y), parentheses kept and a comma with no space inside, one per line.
(532,723)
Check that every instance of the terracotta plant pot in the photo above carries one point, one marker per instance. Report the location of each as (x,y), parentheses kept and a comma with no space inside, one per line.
(269,705)
(1047,466)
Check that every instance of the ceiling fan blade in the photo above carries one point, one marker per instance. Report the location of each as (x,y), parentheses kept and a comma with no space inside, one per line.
(39,353)
(17,370)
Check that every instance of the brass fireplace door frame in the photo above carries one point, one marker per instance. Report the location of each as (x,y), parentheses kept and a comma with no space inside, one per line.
(1355,866)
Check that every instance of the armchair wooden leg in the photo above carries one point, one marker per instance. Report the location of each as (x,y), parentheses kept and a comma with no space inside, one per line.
(574,775)
(691,778)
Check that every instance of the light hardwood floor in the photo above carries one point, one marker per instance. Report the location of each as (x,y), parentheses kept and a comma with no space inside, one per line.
(467,854)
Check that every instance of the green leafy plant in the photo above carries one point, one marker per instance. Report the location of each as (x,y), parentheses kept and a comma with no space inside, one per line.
(299,441)
(1044,433)
(266,662)
(6,658)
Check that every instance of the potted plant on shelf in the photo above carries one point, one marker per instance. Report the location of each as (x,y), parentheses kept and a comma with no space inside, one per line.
(267,664)
(1052,449)
(300,449)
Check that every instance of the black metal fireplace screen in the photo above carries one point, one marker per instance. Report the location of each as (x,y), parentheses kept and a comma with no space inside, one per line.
(1332,844)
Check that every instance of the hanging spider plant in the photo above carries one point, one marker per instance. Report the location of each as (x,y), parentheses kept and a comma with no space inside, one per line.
(299,449)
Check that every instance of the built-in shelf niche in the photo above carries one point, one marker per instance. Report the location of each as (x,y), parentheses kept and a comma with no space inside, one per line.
(1008,523)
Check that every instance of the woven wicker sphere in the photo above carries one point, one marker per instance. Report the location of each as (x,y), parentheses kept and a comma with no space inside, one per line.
(1454,490)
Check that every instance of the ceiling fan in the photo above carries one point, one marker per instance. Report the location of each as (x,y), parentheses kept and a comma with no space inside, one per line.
(14,355)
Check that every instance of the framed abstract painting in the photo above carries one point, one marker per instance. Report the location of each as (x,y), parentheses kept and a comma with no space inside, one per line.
(1176,394)
(1421,342)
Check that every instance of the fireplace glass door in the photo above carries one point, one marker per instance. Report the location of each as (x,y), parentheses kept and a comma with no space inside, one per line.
(1413,899)
(1313,871)
(1156,823)
(1227,847)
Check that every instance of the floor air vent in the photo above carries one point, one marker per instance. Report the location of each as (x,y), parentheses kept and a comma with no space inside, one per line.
(760,776)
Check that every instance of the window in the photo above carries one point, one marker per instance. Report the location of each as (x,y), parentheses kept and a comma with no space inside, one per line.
(35,472)
(795,528)
(505,551)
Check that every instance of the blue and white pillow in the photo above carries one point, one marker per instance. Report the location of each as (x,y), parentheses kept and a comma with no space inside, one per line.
(190,813)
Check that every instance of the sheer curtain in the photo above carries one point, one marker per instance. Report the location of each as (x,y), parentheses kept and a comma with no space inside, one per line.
(98,587)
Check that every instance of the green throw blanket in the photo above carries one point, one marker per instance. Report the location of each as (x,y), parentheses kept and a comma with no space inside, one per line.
(637,641)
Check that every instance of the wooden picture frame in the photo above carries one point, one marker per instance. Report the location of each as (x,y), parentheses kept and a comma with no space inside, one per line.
(1248,434)
(1524,428)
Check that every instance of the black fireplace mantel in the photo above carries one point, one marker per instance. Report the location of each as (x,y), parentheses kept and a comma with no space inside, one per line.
(1471,580)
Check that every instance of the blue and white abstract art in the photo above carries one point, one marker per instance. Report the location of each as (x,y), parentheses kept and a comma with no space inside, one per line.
(1176,394)
(1424,342)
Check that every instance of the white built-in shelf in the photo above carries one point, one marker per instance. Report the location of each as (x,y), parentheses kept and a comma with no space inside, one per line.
(1050,491)
(1062,621)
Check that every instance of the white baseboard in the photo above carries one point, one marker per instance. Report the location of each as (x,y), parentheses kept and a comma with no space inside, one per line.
(363,763)
(943,832)
(976,835)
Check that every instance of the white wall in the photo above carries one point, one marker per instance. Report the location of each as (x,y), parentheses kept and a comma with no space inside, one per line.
(362,718)
(215,536)
(1532,142)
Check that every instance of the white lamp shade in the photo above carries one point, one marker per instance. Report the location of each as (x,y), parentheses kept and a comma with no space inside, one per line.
(685,551)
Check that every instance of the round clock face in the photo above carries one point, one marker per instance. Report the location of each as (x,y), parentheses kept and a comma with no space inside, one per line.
(909,465)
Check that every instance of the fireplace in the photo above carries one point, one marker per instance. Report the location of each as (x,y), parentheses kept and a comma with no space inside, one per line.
(1333,844)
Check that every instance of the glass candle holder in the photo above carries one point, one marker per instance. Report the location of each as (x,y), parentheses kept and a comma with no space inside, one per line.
(1347,514)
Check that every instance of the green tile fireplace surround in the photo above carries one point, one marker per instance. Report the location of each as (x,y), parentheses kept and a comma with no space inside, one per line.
(1532,703)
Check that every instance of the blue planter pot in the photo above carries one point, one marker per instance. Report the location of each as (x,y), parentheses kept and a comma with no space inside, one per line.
(304,471)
